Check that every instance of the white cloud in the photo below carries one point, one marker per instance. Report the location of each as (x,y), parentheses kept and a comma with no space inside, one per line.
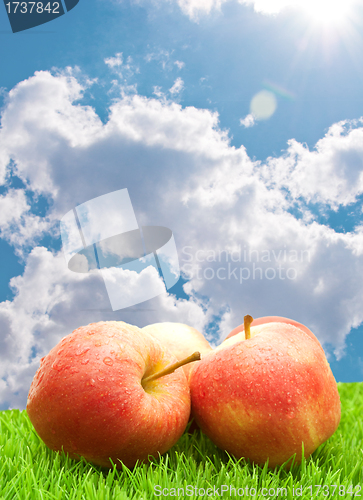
(12,206)
(18,225)
(41,109)
(177,87)
(166,125)
(195,9)
(331,174)
(115,61)
(124,70)
(323,7)
(165,59)
(248,121)
(160,55)
(179,64)
(181,172)
(126,288)
(158,92)
(269,6)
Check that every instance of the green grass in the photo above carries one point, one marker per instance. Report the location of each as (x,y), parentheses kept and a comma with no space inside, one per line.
(29,470)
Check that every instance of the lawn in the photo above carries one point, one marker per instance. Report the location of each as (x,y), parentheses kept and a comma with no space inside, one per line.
(28,470)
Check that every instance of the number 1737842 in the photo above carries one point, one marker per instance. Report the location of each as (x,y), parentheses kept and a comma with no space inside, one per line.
(32,7)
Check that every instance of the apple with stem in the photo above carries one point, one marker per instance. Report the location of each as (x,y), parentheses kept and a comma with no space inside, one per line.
(267,397)
(269,319)
(110,391)
(180,339)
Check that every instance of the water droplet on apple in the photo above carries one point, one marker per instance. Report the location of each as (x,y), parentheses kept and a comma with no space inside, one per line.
(92,382)
(82,350)
(57,365)
(85,361)
(101,379)
(291,414)
(108,361)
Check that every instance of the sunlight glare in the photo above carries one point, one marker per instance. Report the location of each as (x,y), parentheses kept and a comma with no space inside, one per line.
(328,12)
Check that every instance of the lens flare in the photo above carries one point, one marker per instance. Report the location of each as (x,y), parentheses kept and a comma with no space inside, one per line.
(263,105)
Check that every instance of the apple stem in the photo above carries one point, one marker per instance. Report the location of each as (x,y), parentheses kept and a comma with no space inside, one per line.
(247,324)
(171,368)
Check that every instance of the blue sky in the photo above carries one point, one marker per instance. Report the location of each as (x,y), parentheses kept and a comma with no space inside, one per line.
(157,97)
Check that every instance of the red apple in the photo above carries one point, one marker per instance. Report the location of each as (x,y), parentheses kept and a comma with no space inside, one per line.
(270,319)
(264,397)
(180,339)
(93,396)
